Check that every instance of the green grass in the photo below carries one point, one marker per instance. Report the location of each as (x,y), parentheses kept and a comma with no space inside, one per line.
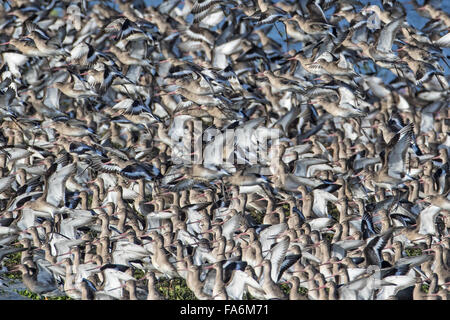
(138,274)
(89,200)
(303,291)
(54,13)
(11,260)
(286,209)
(247,296)
(93,234)
(258,216)
(285,288)
(413,252)
(116,145)
(35,296)
(175,289)
(328,235)
(425,287)
(333,210)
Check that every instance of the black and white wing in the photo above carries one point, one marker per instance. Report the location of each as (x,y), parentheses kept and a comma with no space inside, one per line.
(387,35)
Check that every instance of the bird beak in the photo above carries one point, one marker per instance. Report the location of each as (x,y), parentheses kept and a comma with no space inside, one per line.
(318,288)
(242,234)
(260,199)
(63,254)
(196,221)
(102,207)
(211,266)
(92,269)
(183,269)
(315,245)
(14,268)
(298,271)
(58,263)
(421,238)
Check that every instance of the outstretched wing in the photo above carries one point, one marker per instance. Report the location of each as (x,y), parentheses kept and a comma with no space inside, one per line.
(278,253)
(374,247)
(57,184)
(387,35)
(396,158)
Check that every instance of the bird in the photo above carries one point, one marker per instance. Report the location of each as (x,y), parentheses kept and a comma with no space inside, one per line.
(224,150)
(31,281)
(372,251)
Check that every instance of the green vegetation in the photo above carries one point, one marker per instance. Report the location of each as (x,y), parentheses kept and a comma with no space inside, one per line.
(258,216)
(116,145)
(303,291)
(285,288)
(93,234)
(13,259)
(333,210)
(175,289)
(34,296)
(54,13)
(412,252)
(89,200)
(10,261)
(328,235)
(138,274)
(247,296)
(286,209)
